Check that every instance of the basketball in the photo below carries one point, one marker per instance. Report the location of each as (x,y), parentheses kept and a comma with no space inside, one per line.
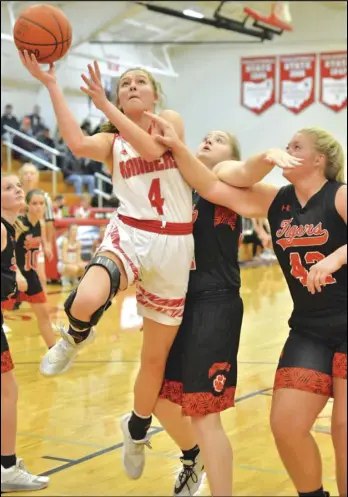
(44,31)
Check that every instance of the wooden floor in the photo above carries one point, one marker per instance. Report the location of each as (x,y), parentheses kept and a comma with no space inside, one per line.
(69,425)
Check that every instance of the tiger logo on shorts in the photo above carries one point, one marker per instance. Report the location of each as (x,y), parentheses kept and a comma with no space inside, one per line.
(219,383)
(216,373)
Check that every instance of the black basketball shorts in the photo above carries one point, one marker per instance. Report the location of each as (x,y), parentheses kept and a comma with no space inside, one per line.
(201,371)
(310,364)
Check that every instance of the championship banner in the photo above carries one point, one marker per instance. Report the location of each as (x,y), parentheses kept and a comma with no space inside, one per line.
(258,83)
(297,81)
(333,80)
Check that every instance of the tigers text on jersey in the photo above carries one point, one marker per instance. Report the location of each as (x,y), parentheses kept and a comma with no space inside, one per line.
(302,237)
(149,190)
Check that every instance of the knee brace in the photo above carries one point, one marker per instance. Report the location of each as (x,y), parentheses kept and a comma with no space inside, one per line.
(115,279)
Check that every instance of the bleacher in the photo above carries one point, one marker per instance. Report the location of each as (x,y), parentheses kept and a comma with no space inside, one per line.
(45,179)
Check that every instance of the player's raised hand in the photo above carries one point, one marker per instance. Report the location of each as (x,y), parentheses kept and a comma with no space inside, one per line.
(165,132)
(29,62)
(320,274)
(282,159)
(94,88)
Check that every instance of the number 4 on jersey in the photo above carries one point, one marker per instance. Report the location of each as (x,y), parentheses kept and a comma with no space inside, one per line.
(301,273)
(154,196)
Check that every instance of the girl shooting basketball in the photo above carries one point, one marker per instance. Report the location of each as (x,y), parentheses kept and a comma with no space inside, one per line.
(153,224)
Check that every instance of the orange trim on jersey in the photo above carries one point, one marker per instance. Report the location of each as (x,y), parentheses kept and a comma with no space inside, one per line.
(172,390)
(38,298)
(314,241)
(158,227)
(339,369)
(203,403)
(6,362)
(306,380)
(8,304)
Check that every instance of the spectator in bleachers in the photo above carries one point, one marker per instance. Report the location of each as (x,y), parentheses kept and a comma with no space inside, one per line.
(70,265)
(21,142)
(59,208)
(75,172)
(78,171)
(44,137)
(83,210)
(36,121)
(9,119)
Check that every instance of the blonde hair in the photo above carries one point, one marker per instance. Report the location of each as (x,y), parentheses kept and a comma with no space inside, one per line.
(327,145)
(235,146)
(18,225)
(108,127)
(25,166)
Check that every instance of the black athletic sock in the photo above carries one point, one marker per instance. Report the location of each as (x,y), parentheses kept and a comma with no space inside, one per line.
(316,493)
(79,336)
(190,455)
(8,461)
(138,427)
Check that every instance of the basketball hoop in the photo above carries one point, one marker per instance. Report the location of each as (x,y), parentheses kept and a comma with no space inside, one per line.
(279,17)
(281,10)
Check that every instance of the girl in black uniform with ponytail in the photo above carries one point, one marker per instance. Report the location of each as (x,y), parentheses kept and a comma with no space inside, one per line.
(308,221)
(14,476)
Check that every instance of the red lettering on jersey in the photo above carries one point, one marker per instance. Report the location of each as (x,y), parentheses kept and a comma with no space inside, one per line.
(134,167)
(138,166)
(123,169)
(286,208)
(149,167)
(294,236)
(225,216)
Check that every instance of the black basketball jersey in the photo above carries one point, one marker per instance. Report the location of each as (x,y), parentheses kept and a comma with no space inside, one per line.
(28,245)
(8,263)
(216,232)
(301,237)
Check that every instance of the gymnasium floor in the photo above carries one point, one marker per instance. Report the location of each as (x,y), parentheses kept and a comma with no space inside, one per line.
(69,425)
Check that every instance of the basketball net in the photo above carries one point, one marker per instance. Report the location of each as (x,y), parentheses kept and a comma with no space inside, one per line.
(281,10)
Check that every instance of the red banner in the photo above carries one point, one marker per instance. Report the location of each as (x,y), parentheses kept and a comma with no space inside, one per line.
(258,83)
(333,80)
(297,81)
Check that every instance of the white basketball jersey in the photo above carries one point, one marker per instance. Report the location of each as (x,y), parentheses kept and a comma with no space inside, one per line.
(72,253)
(149,190)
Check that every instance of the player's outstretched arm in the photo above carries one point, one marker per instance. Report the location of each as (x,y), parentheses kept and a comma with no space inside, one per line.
(248,202)
(97,147)
(255,168)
